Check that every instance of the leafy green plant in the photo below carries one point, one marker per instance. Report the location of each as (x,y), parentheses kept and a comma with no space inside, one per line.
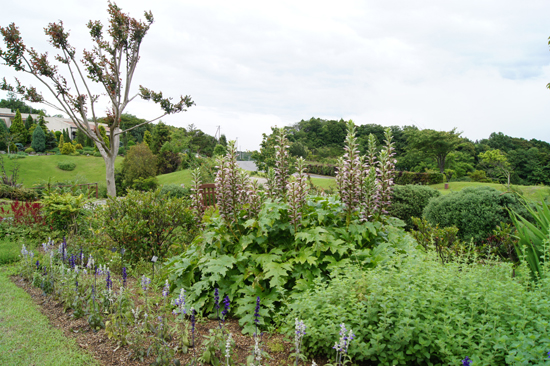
(145,224)
(414,310)
(64,210)
(534,237)
(443,240)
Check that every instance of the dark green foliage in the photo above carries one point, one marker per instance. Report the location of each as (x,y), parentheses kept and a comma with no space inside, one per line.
(14,104)
(220,150)
(3,134)
(175,191)
(66,166)
(17,193)
(403,178)
(146,224)
(51,141)
(29,122)
(417,311)
(138,163)
(409,201)
(161,134)
(80,137)
(145,184)
(321,169)
(38,139)
(167,162)
(475,211)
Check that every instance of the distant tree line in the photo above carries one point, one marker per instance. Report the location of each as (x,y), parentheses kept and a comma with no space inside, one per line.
(498,158)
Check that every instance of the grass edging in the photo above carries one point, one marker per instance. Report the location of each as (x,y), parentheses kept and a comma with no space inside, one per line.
(26,336)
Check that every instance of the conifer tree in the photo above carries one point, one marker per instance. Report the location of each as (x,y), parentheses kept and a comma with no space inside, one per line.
(42,122)
(29,122)
(38,139)
(61,141)
(18,129)
(148,138)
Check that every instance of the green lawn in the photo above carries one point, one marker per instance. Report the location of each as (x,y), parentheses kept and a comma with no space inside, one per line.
(9,251)
(533,193)
(35,169)
(179,177)
(26,337)
(324,183)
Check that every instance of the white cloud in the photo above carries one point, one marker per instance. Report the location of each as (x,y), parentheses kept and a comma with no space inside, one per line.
(480,66)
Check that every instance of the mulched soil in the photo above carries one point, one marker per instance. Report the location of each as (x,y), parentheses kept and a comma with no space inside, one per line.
(107,352)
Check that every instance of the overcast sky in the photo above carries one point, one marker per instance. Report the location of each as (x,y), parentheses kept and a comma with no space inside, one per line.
(480,66)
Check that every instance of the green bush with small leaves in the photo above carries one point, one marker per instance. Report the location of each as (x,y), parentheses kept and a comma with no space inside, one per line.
(65,165)
(409,201)
(146,224)
(413,310)
(475,211)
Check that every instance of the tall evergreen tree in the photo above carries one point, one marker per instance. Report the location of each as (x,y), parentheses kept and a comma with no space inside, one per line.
(61,141)
(42,122)
(18,129)
(80,137)
(38,140)
(161,134)
(3,132)
(29,122)
(51,140)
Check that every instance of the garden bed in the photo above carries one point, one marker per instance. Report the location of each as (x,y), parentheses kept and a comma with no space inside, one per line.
(108,352)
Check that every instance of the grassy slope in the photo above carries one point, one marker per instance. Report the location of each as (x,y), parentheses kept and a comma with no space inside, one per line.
(26,337)
(35,169)
(533,193)
(179,177)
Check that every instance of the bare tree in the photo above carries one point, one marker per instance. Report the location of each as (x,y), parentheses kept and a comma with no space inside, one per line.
(111,64)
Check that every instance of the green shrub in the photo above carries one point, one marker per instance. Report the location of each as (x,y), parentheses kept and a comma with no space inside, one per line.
(479,176)
(38,139)
(416,311)
(475,211)
(29,150)
(146,224)
(65,165)
(16,156)
(17,193)
(67,148)
(138,163)
(321,169)
(409,201)
(403,178)
(145,184)
(78,146)
(97,154)
(64,210)
(175,191)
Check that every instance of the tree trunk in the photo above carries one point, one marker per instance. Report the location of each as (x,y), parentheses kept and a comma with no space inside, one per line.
(110,174)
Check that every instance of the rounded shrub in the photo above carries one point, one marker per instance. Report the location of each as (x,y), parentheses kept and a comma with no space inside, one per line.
(475,211)
(175,191)
(65,165)
(409,201)
(29,150)
(67,148)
